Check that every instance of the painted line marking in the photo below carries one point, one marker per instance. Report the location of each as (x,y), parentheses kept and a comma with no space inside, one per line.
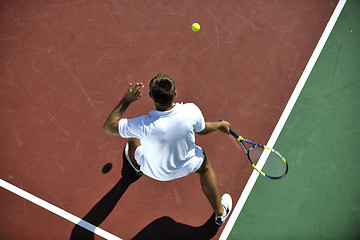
(279,126)
(58,211)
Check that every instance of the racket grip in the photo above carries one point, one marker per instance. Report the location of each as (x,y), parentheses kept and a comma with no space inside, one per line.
(232,132)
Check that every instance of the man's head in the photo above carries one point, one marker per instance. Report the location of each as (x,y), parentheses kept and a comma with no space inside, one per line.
(162,90)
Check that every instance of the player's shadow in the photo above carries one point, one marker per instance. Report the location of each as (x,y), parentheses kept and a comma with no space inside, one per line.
(165,228)
(160,229)
(105,206)
(100,211)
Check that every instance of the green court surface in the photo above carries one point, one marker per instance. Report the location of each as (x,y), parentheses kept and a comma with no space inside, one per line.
(320,197)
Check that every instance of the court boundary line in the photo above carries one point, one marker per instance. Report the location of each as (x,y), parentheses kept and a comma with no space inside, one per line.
(284,116)
(58,211)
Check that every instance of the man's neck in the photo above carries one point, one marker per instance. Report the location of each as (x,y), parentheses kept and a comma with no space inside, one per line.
(166,108)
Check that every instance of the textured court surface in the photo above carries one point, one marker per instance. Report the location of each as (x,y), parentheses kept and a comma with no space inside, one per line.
(65,64)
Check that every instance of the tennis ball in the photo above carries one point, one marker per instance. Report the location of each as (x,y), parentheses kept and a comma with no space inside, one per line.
(195,27)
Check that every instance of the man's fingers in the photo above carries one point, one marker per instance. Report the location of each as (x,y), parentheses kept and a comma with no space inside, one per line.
(133,93)
(225,126)
(137,90)
(129,88)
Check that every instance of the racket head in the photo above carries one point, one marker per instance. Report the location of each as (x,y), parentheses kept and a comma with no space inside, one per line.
(275,166)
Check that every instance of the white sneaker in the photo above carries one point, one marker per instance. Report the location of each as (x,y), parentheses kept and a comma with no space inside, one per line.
(226,202)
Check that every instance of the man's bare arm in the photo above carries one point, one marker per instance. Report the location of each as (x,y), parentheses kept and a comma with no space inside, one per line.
(131,95)
(211,127)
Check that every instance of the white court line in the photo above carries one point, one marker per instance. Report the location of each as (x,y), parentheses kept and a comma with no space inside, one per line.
(58,211)
(274,136)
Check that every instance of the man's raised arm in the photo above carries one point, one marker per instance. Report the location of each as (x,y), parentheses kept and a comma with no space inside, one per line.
(131,95)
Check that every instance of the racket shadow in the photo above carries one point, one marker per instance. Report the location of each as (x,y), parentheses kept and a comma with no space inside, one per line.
(167,228)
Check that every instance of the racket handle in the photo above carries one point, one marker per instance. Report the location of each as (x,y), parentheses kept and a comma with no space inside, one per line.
(232,132)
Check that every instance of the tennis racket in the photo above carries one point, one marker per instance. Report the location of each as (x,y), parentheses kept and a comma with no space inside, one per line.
(275,167)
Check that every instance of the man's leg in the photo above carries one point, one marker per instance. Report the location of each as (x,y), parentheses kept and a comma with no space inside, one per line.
(134,143)
(128,172)
(210,187)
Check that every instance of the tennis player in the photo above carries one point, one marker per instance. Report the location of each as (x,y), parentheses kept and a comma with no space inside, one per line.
(162,144)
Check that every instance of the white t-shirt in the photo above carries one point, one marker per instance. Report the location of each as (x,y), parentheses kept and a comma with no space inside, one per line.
(167,140)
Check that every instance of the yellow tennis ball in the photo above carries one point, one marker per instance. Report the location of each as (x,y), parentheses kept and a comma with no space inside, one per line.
(195,27)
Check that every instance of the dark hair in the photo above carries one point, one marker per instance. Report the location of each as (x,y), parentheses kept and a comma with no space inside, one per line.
(162,89)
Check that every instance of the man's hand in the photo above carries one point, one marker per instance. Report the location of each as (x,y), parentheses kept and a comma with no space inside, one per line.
(224,127)
(133,94)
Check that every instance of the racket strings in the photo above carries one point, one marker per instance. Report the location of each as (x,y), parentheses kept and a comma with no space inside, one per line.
(255,154)
(274,165)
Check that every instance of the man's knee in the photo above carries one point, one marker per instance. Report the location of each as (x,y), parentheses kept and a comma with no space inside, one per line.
(205,166)
(128,172)
(134,143)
